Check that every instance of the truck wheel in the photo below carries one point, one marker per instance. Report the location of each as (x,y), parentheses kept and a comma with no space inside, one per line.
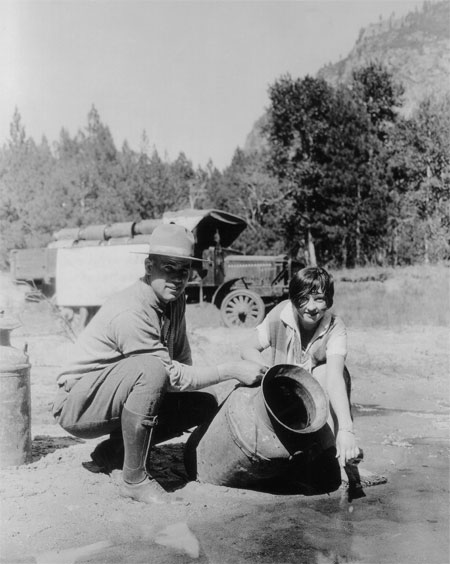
(242,308)
(77,318)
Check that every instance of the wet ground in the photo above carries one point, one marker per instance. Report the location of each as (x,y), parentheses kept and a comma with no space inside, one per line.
(55,512)
(403,521)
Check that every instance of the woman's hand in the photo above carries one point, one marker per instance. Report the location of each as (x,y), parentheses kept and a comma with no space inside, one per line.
(346,446)
(247,372)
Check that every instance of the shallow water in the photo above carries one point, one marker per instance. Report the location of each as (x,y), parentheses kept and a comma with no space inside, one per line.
(402,522)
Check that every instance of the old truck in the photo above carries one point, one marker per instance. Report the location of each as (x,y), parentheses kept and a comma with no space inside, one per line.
(85,265)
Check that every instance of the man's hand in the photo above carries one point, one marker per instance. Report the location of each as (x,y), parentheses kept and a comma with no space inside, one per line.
(346,446)
(246,371)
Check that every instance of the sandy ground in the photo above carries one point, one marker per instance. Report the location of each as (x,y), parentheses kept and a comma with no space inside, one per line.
(54,511)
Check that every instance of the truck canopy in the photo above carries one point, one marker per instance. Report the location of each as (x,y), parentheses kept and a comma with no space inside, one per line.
(209,227)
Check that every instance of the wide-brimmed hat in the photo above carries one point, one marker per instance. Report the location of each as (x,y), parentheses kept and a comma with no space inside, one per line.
(172,240)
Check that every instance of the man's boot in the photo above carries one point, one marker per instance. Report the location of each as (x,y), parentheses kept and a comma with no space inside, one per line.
(137,431)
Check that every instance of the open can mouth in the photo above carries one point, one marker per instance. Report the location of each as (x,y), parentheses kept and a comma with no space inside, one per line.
(294,399)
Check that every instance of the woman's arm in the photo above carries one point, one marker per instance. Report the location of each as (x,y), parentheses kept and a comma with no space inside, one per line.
(345,441)
(252,349)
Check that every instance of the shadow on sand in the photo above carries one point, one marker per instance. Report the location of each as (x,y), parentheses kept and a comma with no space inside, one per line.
(45,444)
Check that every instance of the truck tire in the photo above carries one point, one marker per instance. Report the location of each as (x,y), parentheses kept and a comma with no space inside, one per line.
(78,317)
(242,308)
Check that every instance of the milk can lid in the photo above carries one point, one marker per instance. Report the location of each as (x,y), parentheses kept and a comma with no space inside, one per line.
(8,322)
(11,358)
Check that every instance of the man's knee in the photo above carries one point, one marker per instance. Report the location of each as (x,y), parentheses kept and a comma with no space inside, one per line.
(94,404)
(147,382)
(148,371)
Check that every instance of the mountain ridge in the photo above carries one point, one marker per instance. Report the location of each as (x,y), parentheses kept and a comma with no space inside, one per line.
(414,47)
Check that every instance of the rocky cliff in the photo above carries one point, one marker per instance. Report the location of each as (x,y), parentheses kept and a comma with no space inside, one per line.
(416,48)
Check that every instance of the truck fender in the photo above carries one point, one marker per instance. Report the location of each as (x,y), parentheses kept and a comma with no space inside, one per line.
(225,289)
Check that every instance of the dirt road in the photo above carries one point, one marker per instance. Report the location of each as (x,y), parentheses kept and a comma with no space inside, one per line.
(53,510)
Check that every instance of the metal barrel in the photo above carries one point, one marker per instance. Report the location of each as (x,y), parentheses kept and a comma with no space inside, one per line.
(146,226)
(92,232)
(119,241)
(135,240)
(15,399)
(62,244)
(67,233)
(123,229)
(88,243)
(258,430)
(139,239)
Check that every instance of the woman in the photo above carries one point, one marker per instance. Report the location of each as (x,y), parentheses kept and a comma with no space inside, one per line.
(302,331)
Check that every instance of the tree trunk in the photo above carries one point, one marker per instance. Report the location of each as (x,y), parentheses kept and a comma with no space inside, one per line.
(426,249)
(311,249)
(358,228)
(344,256)
(395,241)
(426,256)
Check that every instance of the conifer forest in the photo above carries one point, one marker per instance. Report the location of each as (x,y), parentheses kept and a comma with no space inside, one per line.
(340,177)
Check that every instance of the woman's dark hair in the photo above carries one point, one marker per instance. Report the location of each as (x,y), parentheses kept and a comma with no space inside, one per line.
(311,280)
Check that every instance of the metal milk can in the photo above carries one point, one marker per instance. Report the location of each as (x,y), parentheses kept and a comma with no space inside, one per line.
(257,431)
(15,398)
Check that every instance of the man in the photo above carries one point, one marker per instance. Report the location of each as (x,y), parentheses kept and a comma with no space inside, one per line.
(132,353)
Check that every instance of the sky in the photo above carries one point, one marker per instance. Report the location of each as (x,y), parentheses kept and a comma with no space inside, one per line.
(194,75)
